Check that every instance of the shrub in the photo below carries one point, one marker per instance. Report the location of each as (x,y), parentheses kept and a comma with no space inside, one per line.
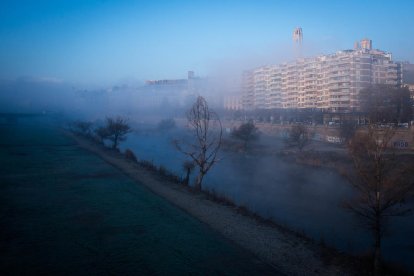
(166,124)
(129,155)
(246,132)
(82,128)
(148,165)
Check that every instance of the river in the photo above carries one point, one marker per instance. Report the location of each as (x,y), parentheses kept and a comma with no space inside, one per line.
(302,198)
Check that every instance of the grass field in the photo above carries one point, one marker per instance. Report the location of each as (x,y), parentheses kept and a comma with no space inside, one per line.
(65,211)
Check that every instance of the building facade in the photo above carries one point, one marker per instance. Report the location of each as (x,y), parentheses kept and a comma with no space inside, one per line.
(329,82)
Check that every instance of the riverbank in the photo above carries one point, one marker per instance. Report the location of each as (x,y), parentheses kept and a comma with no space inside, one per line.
(65,211)
(290,253)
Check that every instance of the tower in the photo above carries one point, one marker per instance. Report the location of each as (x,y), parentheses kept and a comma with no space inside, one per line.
(297,41)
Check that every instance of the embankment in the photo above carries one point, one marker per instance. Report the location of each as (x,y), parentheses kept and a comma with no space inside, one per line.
(290,253)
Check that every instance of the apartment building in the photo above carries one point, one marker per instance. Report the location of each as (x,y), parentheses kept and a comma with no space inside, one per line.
(232,102)
(330,82)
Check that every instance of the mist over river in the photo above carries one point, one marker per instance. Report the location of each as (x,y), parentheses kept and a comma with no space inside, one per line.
(302,198)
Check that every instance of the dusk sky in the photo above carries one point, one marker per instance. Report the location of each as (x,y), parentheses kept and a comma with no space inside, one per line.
(104,42)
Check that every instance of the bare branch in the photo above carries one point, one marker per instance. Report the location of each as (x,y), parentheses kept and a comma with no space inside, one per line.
(381,186)
(207,130)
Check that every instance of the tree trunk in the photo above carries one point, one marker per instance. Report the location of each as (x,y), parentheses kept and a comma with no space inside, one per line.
(115,144)
(377,254)
(187,177)
(199,180)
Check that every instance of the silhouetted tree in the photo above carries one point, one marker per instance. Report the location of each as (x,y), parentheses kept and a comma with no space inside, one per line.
(117,129)
(386,104)
(298,137)
(188,167)
(207,131)
(247,132)
(130,155)
(101,133)
(382,186)
(347,130)
(83,128)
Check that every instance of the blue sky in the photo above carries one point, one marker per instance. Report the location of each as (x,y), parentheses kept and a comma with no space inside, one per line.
(111,41)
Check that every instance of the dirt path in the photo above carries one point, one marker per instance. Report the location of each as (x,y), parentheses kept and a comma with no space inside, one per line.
(287,252)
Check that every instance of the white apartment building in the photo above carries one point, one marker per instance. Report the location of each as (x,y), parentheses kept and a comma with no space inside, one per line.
(232,102)
(330,82)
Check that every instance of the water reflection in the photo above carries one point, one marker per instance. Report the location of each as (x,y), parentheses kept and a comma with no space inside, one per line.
(302,198)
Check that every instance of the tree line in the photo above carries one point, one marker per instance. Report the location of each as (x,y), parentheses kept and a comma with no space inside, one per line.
(114,130)
(386,104)
(377,104)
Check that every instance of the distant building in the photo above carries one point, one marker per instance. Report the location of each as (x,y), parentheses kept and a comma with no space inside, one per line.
(366,44)
(407,73)
(297,35)
(408,77)
(233,102)
(297,41)
(330,82)
(262,88)
(160,83)
(170,93)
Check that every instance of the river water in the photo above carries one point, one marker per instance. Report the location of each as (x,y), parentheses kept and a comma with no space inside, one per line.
(305,199)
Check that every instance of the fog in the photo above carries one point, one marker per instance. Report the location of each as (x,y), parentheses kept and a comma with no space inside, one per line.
(149,62)
(305,199)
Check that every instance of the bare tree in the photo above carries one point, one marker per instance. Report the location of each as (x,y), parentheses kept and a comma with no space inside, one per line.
(381,183)
(298,136)
(246,132)
(117,129)
(347,130)
(207,131)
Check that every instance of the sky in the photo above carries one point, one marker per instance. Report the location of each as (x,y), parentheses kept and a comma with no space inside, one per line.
(104,42)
